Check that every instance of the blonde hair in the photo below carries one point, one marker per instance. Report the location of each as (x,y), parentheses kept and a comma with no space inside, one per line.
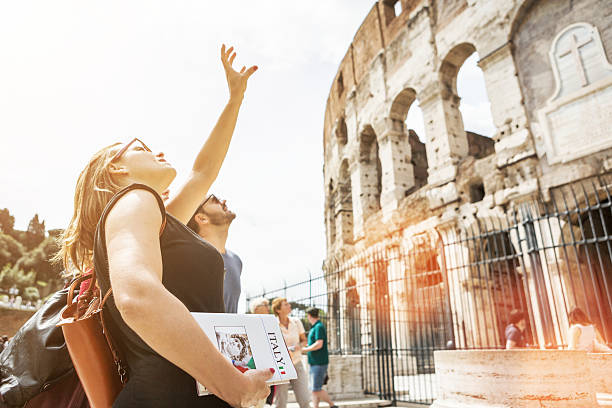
(276,304)
(94,189)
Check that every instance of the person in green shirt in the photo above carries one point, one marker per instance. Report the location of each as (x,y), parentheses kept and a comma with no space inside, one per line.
(318,358)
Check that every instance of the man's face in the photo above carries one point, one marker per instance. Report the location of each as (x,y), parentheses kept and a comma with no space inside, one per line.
(521,325)
(217,212)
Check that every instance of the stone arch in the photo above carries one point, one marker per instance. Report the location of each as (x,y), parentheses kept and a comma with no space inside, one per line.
(495,269)
(461,57)
(370,171)
(403,104)
(583,245)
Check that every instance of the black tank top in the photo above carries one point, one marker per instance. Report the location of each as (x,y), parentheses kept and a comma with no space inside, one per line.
(193,272)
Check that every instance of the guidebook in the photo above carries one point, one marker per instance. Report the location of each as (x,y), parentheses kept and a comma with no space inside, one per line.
(248,341)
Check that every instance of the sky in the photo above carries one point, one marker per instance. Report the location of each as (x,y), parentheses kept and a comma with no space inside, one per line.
(76,76)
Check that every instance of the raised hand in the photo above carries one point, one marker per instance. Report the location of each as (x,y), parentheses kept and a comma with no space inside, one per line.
(236,81)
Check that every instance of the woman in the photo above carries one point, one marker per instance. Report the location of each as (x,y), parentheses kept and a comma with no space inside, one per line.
(259,306)
(159,278)
(295,338)
(583,335)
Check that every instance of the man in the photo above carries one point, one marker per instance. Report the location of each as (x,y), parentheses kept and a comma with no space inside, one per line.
(318,357)
(514,331)
(211,221)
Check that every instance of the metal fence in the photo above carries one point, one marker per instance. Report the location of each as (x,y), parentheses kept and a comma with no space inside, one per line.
(454,287)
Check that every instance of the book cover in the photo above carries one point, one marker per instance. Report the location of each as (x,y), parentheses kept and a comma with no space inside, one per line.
(249,342)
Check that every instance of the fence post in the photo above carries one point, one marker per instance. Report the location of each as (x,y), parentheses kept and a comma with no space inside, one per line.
(538,278)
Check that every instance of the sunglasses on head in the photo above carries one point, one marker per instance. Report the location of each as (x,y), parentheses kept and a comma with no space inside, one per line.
(127,146)
(207,199)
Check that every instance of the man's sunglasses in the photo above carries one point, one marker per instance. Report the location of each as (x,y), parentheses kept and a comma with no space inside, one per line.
(209,198)
(127,146)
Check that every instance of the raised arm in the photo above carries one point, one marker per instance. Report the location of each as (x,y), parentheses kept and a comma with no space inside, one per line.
(156,315)
(208,161)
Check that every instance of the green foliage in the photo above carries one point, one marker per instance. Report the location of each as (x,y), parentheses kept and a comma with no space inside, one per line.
(30,251)
(13,276)
(10,250)
(38,259)
(31,293)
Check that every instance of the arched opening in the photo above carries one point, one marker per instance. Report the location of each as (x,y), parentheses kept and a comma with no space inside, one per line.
(407,115)
(464,81)
(353,314)
(591,269)
(497,265)
(331,212)
(341,132)
(371,179)
(429,317)
(345,199)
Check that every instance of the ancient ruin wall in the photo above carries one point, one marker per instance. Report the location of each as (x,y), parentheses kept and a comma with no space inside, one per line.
(374,175)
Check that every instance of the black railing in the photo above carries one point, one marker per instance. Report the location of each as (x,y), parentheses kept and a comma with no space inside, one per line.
(454,287)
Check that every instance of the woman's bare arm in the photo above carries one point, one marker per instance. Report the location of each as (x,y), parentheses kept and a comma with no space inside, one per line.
(208,161)
(156,315)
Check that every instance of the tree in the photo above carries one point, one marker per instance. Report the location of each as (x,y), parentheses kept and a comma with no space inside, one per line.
(35,233)
(13,276)
(7,221)
(39,260)
(10,250)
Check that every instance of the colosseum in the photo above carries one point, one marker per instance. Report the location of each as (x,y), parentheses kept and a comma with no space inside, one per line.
(434,237)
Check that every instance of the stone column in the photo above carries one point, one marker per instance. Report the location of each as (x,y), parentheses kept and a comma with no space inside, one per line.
(364,185)
(446,139)
(343,209)
(397,170)
(513,141)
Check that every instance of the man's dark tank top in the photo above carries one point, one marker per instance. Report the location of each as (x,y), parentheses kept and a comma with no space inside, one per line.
(193,272)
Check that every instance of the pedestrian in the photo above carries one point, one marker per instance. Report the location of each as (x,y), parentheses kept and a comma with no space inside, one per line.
(583,335)
(211,221)
(259,306)
(295,338)
(515,330)
(318,357)
(158,269)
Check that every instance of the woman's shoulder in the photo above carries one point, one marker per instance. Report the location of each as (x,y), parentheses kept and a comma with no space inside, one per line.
(136,202)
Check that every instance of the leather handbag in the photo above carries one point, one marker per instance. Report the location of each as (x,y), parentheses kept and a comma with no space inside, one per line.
(35,366)
(93,353)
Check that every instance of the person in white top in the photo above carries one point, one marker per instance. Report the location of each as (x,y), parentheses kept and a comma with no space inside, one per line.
(583,335)
(295,338)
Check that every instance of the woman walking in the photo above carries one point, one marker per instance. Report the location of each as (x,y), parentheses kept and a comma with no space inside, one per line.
(159,271)
(295,338)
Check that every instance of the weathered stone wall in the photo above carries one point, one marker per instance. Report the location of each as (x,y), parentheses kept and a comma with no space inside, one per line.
(345,377)
(395,60)
(541,22)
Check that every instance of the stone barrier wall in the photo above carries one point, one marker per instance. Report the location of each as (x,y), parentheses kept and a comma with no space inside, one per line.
(345,377)
(514,379)
(601,371)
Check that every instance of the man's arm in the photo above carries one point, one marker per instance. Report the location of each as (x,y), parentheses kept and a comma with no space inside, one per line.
(317,345)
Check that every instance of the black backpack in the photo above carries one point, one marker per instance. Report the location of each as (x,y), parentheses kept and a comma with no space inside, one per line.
(36,358)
